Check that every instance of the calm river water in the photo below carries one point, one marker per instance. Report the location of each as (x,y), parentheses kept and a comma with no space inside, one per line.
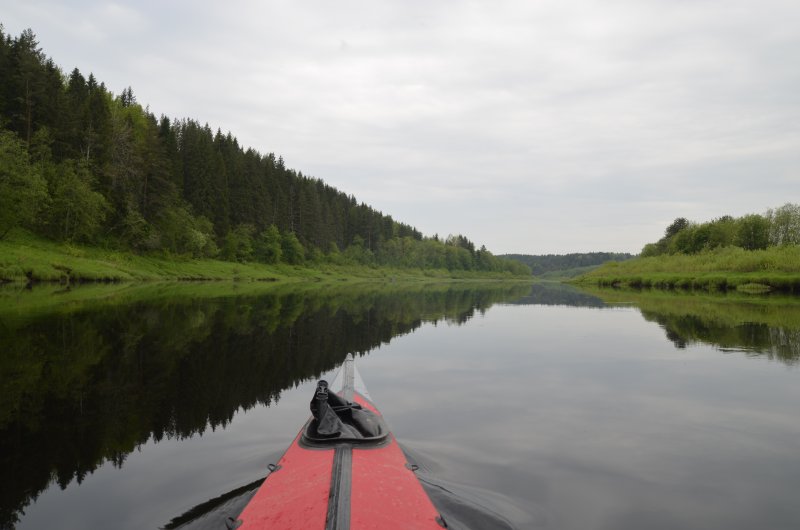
(131,408)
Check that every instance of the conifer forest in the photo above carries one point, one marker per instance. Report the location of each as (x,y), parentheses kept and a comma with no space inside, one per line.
(81,164)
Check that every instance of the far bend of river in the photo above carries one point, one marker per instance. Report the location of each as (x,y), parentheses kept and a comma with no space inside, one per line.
(133,407)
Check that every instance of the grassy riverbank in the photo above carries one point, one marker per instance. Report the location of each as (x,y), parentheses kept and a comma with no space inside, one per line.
(776,268)
(27,258)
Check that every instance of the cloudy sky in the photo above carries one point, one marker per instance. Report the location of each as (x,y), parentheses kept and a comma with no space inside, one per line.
(531,126)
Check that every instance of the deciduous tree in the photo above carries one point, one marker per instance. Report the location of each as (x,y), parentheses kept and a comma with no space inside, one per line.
(23,191)
(77,211)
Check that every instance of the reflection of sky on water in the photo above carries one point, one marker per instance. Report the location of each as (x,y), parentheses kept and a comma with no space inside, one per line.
(590,418)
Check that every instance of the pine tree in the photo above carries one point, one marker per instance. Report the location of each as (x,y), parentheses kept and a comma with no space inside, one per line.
(6,75)
(27,85)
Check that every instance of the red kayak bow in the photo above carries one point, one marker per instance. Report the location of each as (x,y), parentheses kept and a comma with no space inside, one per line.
(344,470)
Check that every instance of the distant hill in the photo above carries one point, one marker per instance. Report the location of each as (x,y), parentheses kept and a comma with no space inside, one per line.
(566,265)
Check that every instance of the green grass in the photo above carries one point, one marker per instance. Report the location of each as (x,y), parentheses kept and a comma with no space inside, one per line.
(25,257)
(776,268)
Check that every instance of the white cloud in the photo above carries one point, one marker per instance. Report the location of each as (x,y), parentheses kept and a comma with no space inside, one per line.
(529,126)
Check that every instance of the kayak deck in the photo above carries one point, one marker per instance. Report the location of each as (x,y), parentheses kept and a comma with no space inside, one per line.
(342,485)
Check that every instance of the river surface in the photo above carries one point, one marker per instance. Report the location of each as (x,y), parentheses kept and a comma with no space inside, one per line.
(542,406)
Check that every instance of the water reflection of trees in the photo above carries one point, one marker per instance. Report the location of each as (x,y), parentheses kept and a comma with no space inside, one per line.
(758,339)
(767,326)
(558,294)
(83,387)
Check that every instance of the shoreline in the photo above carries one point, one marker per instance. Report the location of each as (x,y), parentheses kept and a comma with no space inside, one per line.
(25,259)
(722,281)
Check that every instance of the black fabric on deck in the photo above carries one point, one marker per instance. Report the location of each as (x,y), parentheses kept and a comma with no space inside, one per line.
(336,420)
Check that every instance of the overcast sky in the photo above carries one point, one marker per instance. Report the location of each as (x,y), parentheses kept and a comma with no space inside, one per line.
(531,126)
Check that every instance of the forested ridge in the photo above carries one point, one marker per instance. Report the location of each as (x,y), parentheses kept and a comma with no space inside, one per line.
(541,264)
(81,164)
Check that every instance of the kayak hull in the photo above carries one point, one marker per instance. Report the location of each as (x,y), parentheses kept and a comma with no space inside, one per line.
(341,486)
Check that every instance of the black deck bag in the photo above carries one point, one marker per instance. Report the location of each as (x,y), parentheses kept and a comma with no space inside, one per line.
(335,420)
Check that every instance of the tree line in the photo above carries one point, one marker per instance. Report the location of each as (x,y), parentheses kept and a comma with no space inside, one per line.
(81,164)
(776,227)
